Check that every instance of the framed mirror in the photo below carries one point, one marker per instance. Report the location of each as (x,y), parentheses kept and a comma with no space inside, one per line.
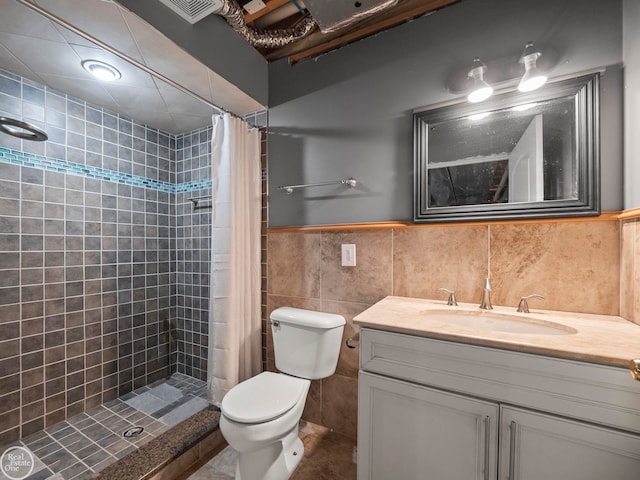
(516,155)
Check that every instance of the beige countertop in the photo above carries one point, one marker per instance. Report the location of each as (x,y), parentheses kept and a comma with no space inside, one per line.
(594,338)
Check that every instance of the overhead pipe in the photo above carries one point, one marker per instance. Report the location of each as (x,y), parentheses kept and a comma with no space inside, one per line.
(265,39)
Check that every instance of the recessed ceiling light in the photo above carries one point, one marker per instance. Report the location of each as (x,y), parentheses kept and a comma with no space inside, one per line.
(101,70)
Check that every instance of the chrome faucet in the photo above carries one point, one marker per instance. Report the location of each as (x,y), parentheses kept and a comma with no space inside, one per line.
(485,304)
(452,296)
(523,306)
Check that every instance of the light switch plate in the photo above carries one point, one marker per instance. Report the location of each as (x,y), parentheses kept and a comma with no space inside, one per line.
(348,254)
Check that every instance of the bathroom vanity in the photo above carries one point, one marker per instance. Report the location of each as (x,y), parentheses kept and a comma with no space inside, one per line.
(451,393)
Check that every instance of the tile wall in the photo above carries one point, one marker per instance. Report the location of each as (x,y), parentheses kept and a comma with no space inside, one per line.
(193,243)
(574,264)
(85,269)
(630,270)
(103,261)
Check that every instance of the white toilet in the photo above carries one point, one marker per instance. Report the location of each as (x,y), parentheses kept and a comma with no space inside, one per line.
(260,415)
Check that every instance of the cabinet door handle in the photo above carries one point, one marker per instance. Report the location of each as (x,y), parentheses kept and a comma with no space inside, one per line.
(487,438)
(513,429)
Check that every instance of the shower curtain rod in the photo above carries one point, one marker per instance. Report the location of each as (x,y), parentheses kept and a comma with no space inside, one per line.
(123,56)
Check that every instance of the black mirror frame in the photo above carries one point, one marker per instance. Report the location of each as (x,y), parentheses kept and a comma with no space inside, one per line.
(586,91)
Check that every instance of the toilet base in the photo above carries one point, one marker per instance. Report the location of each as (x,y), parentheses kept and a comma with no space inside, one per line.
(273,462)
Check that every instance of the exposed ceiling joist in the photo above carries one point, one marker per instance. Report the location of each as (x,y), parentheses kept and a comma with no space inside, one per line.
(318,43)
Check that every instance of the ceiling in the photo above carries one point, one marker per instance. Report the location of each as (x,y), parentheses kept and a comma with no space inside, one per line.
(284,14)
(41,50)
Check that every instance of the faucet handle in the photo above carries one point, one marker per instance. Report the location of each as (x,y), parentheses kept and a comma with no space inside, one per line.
(523,306)
(452,296)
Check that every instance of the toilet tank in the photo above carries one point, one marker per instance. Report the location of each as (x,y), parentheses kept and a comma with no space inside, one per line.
(306,343)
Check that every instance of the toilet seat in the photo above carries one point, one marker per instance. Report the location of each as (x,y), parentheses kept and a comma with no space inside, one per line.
(263,397)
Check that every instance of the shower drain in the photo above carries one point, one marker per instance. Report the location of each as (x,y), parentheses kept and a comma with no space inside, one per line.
(133,432)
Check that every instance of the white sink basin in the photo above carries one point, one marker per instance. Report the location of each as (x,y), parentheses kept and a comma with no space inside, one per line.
(499,322)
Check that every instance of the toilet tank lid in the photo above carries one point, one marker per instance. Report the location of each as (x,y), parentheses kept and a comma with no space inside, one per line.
(307,318)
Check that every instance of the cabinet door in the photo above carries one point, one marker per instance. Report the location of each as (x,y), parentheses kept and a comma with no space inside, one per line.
(407,431)
(535,446)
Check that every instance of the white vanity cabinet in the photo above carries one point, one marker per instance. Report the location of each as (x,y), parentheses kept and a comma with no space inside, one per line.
(416,432)
(439,410)
(540,446)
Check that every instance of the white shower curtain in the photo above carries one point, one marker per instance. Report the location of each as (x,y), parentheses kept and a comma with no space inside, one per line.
(234,301)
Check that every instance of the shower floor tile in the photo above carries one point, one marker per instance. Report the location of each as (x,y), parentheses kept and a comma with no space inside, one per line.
(90,441)
(166,392)
(147,403)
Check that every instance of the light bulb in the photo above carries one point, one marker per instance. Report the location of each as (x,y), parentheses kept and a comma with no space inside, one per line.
(533,78)
(480,93)
(480,90)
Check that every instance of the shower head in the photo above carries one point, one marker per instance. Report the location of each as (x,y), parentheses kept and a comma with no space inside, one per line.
(20,129)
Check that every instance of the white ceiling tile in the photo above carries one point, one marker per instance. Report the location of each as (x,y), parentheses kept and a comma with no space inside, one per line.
(230,97)
(178,102)
(88,90)
(10,62)
(18,19)
(43,56)
(142,98)
(189,123)
(71,37)
(162,121)
(102,20)
(167,58)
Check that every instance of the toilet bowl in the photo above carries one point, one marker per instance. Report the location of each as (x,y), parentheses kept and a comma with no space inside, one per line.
(264,429)
(259,417)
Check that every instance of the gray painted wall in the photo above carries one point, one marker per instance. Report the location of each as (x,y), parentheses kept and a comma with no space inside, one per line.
(631,46)
(213,42)
(348,113)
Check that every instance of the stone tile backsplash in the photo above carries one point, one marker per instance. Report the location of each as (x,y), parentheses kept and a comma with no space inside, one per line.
(574,264)
(630,270)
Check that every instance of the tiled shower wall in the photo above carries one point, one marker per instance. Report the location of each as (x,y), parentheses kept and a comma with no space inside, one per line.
(574,264)
(85,270)
(193,245)
(103,288)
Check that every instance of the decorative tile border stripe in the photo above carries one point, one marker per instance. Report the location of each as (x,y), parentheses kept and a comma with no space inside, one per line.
(24,159)
(192,186)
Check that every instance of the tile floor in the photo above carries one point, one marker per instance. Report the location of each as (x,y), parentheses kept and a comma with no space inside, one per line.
(327,456)
(88,442)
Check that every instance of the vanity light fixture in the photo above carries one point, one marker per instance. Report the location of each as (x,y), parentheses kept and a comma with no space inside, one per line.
(101,70)
(480,90)
(533,78)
